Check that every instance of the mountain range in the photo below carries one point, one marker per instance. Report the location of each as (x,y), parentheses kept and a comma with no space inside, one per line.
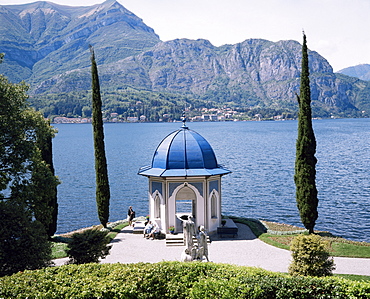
(47,45)
(361,71)
(43,39)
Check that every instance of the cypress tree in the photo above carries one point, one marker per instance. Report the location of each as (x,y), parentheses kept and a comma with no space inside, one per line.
(305,164)
(47,156)
(101,170)
(44,181)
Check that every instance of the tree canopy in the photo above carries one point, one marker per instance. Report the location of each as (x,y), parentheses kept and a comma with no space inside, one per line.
(27,181)
(24,175)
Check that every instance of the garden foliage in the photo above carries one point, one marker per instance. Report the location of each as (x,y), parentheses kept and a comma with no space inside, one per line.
(23,242)
(173,280)
(310,257)
(88,246)
(28,205)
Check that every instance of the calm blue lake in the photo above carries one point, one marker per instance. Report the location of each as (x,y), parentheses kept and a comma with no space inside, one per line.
(260,155)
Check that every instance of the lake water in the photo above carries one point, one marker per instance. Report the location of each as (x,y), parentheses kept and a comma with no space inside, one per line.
(260,155)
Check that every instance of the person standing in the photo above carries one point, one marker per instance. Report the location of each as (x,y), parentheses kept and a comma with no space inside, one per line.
(130,215)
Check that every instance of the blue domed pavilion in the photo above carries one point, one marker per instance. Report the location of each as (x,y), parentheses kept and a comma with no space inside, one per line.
(184,179)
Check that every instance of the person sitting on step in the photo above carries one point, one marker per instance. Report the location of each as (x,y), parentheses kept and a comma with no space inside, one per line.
(147,229)
(155,232)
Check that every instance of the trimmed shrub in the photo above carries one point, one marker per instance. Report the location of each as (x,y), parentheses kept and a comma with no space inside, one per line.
(88,246)
(173,280)
(310,257)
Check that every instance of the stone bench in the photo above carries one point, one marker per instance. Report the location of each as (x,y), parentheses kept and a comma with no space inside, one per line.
(229,228)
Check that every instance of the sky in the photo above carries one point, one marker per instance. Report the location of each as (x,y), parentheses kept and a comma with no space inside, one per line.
(336,29)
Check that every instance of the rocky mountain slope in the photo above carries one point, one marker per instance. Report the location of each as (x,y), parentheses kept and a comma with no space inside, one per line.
(361,71)
(252,73)
(47,45)
(43,39)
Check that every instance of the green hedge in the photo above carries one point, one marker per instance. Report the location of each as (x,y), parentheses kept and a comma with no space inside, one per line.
(173,280)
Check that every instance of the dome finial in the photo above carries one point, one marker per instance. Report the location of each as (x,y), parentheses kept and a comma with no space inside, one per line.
(183,118)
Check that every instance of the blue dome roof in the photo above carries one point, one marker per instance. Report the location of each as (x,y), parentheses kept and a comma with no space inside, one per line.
(183,153)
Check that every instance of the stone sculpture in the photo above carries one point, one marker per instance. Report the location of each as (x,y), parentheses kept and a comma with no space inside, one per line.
(185,256)
(194,252)
(202,244)
(189,232)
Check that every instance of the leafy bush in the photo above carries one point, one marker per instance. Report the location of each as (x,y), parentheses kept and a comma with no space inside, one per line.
(23,242)
(310,257)
(88,246)
(173,280)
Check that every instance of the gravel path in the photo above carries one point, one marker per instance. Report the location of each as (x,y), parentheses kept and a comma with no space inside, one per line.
(244,250)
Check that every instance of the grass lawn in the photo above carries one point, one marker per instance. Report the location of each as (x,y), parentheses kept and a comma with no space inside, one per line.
(58,250)
(282,238)
(337,246)
(116,230)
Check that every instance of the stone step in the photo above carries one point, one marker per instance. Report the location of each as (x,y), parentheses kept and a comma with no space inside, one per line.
(174,240)
(178,240)
(139,227)
(175,243)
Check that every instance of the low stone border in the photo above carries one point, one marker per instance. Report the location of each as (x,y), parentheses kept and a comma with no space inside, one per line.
(112,225)
(281,233)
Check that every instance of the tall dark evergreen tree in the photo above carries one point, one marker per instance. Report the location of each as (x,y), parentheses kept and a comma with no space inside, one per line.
(101,169)
(46,146)
(305,164)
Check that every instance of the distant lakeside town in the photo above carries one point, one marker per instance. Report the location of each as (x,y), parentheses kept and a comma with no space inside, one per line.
(213,114)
